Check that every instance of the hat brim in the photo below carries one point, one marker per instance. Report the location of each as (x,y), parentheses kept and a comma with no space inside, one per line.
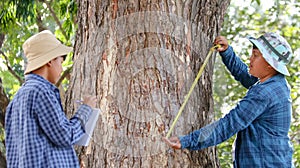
(44,59)
(278,66)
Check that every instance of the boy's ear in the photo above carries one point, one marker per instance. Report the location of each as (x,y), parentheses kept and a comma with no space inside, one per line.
(49,63)
(64,57)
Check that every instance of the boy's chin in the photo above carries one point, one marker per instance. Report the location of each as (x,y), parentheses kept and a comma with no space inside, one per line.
(251,73)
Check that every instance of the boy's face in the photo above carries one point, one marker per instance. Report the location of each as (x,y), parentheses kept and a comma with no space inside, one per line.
(259,67)
(55,69)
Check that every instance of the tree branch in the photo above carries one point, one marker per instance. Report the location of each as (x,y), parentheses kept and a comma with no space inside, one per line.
(55,17)
(63,76)
(3,103)
(1,39)
(39,21)
(11,70)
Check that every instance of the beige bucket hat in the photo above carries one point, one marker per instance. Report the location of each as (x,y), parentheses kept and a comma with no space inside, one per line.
(41,48)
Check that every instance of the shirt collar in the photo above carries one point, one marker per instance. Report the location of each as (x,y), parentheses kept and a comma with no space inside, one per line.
(277,77)
(35,77)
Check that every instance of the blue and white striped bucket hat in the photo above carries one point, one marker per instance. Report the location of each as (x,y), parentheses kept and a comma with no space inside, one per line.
(275,49)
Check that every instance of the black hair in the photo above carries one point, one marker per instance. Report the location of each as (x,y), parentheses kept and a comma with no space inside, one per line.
(64,57)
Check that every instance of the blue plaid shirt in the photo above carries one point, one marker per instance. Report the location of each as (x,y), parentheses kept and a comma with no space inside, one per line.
(261,120)
(38,134)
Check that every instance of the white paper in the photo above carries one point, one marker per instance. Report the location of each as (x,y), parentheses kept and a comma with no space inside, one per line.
(89,128)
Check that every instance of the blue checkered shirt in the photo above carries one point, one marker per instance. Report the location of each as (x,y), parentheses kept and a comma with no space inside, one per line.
(261,120)
(38,133)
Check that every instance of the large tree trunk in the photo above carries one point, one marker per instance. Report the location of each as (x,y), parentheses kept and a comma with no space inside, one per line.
(140,58)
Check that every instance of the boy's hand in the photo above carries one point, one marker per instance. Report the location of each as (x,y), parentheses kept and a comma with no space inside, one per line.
(223,42)
(90,101)
(173,142)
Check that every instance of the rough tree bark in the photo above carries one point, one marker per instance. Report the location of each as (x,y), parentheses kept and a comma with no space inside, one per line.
(140,58)
(3,104)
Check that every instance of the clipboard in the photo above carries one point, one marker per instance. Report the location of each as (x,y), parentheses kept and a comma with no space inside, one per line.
(89,128)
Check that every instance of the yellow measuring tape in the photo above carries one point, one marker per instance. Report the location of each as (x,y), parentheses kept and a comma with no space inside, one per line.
(192,88)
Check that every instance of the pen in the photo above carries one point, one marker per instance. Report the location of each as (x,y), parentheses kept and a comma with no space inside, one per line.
(79,101)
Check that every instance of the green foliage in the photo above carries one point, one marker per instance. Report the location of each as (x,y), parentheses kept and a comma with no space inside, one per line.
(225,153)
(19,23)
(15,10)
(6,15)
(25,9)
(11,84)
(251,19)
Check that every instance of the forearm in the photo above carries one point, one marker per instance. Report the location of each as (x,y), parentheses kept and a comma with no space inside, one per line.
(239,118)
(237,68)
(83,114)
(210,135)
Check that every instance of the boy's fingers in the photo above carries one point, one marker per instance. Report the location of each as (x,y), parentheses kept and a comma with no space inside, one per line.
(168,141)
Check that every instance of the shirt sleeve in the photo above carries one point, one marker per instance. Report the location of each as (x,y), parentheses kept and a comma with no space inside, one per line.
(54,123)
(83,114)
(237,68)
(247,110)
